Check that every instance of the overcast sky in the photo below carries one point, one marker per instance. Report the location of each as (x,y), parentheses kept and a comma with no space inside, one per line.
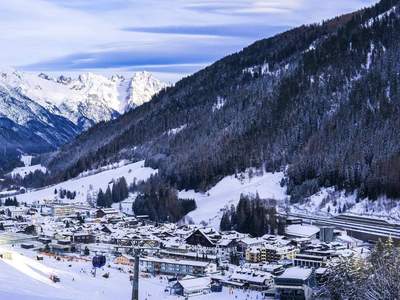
(169,37)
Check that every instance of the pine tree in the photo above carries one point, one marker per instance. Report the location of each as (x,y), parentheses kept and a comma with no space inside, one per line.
(108,201)
(225,224)
(101,199)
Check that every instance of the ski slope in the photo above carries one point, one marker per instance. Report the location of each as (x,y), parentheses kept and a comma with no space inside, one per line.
(24,171)
(17,282)
(226,192)
(87,185)
(27,168)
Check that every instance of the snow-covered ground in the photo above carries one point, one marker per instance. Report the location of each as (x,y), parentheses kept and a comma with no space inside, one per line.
(126,205)
(329,201)
(26,160)
(90,96)
(27,168)
(24,278)
(87,186)
(24,171)
(210,205)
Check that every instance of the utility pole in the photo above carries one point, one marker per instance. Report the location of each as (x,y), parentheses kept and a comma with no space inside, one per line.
(137,247)
(135,282)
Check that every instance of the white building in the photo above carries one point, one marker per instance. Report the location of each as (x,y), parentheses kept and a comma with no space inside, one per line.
(14,212)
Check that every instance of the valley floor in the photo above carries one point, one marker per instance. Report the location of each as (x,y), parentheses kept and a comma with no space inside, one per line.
(24,278)
(210,205)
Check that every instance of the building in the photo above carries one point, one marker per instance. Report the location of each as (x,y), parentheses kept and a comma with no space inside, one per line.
(244,244)
(157,265)
(125,260)
(82,237)
(326,234)
(187,255)
(225,248)
(253,279)
(107,212)
(62,210)
(9,238)
(269,253)
(313,258)
(200,238)
(61,246)
(192,286)
(15,212)
(302,231)
(295,284)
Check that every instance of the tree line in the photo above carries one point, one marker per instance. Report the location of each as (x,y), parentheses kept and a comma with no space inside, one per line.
(63,193)
(253,215)
(376,277)
(116,194)
(160,201)
(9,202)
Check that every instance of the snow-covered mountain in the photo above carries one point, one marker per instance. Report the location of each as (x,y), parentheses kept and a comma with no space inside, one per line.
(137,90)
(86,100)
(38,113)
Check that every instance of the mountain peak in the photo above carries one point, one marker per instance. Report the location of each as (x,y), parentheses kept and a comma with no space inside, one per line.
(87,99)
(142,88)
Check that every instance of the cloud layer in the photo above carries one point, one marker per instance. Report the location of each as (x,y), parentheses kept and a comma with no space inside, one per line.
(175,36)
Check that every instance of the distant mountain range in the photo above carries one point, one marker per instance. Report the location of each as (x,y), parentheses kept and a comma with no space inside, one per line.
(321,102)
(38,113)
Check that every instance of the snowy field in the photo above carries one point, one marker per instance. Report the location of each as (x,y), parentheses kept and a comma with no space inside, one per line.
(24,278)
(89,185)
(23,171)
(26,160)
(227,192)
(329,201)
(27,168)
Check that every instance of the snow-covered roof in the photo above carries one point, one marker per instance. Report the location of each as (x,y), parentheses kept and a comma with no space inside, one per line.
(302,230)
(176,262)
(195,283)
(296,273)
(250,275)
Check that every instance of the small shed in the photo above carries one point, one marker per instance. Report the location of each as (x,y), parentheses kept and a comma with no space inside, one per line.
(192,286)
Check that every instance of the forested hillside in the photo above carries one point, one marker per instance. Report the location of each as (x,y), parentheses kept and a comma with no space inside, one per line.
(323,99)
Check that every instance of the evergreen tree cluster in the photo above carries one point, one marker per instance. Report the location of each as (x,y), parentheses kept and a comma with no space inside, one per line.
(160,201)
(63,193)
(34,179)
(254,216)
(375,278)
(116,194)
(10,202)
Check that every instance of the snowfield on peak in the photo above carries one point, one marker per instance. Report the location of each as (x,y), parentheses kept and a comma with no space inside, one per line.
(86,100)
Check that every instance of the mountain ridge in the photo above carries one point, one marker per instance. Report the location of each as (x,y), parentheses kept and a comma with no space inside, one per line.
(288,101)
(48,112)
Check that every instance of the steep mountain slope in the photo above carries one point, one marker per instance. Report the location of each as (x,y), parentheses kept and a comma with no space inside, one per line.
(87,100)
(323,99)
(27,126)
(39,113)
